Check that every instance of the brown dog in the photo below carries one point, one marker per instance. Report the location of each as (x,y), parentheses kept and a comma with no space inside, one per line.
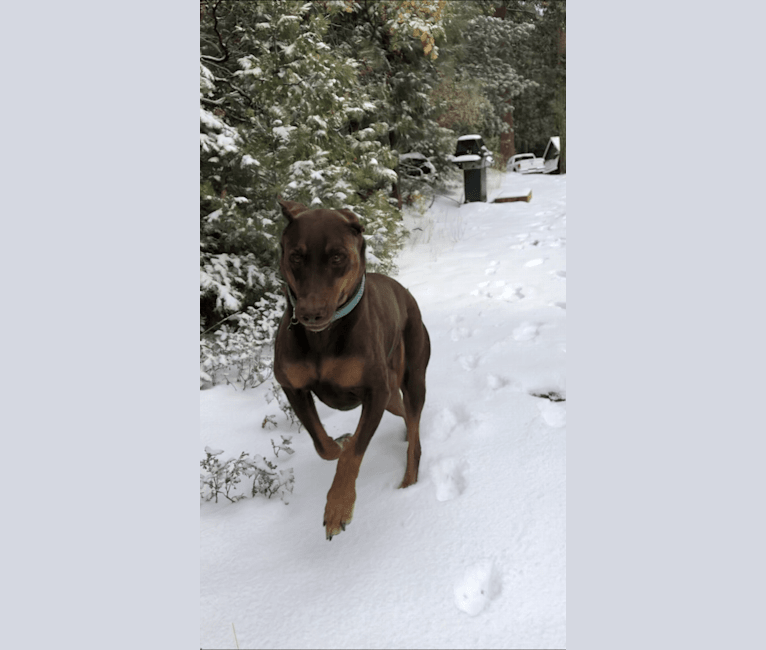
(351,338)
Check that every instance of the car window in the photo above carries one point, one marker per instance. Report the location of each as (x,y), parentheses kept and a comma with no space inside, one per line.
(552,152)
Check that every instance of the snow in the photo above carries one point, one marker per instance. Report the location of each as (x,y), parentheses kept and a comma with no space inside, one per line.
(474,554)
(210,120)
(467,157)
(288,19)
(469,137)
(316,120)
(283,132)
(249,161)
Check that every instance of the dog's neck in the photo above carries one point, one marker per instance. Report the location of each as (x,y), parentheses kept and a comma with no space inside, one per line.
(345,310)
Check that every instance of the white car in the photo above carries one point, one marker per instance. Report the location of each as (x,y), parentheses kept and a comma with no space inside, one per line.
(525,163)
(551,156)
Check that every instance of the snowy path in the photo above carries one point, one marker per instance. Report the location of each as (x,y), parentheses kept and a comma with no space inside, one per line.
(474,554)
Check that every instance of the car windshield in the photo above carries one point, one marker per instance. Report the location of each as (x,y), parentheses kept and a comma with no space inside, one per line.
(551,152)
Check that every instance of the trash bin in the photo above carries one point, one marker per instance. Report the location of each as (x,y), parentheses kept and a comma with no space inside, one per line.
(473,157)
(475,181)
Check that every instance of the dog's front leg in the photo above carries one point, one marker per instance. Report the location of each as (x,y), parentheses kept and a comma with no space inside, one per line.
(342,495)
(302,402)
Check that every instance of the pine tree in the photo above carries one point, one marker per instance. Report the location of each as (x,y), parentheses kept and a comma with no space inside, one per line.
(396,43)
(540,111)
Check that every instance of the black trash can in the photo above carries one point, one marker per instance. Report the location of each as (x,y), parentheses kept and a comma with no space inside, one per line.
(473,157)
(475,180)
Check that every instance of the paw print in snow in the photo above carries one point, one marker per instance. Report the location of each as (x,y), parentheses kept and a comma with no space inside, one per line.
(479,585)
(554,414)
(441,426)
(525,332)
(447,475)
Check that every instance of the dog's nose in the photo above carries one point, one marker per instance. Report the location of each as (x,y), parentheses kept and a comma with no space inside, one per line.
(310,316)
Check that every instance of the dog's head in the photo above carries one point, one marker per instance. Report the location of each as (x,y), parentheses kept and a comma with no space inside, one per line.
(322,261)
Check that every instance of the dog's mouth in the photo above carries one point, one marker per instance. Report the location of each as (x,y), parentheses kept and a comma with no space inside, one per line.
(316,328)
(316,318)
(316,323)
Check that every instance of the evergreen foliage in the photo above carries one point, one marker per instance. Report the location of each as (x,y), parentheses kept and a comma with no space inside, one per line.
(491,45)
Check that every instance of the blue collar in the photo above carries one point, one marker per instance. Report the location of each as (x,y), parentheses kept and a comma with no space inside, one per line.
(343,311)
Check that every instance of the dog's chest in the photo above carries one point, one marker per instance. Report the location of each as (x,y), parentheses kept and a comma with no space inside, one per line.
(343,372)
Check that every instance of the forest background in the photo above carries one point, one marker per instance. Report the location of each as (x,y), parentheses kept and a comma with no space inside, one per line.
(316,101)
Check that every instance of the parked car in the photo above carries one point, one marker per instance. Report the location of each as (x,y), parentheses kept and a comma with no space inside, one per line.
(525,163)
(417,165)
(471,149)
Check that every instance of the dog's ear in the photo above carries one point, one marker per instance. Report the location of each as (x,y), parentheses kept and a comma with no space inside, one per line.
(353,220)
(291,209)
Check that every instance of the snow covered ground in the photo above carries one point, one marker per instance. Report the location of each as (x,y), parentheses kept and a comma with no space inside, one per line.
(474,554)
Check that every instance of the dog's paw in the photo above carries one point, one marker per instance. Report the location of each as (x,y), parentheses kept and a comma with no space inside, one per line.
(410,478)
(339,512)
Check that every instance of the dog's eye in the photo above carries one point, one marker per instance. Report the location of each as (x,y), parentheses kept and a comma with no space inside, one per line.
(337,259)
(296,258)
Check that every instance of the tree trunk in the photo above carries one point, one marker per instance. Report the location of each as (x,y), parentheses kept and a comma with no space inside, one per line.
(507,140)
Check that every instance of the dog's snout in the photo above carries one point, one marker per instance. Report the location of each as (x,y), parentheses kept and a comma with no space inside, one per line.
(311,318)
(310,314)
